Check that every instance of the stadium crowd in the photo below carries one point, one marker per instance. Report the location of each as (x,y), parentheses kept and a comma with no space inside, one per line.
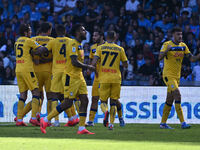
(141,25)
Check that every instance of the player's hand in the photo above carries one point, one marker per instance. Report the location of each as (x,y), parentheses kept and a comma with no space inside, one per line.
(88,72)
(91,67)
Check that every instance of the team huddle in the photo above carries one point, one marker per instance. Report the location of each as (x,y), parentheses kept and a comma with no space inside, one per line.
(56,64)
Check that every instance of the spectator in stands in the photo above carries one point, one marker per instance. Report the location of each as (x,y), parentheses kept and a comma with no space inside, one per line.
(112,19)
(196,72)
(59,6)
(142,21)
(146,69)
(9,76)
(79,12)
(92,15)
(128,73)
(2,70)
(43,7)
(132,5)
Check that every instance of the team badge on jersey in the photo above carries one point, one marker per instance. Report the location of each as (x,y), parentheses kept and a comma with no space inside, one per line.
(172,86)
(73,49)
(93,50)
(71,93)
(80,47)
(36,43)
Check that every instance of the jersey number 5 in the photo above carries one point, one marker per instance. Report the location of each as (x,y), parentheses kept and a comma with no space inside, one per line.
(63,50)
(106,57)
(19,48)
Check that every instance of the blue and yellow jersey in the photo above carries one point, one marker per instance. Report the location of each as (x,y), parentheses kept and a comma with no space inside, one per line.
(75,48)
(93,49)
(23,46)
(58,48)
(43,40)
(110,55)
(173,59)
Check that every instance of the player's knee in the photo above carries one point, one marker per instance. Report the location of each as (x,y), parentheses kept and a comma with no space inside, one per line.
(23,95)
(66,104)
(112,102)
(95,99)
(36,92)
(119,106)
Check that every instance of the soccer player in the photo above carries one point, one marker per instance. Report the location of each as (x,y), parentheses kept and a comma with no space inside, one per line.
(25,74)
(58,47)
(109,75)
(173,52)
(75,84)
(98,39)
(44,66)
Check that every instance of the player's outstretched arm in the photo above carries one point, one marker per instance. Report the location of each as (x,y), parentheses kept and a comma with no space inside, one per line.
(193,58)
(94,61)
(77,63)
(39,51)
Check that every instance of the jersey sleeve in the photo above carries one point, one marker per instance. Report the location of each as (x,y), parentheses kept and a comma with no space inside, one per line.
(49,45)
(187,51)
(33,44)
(164,47)
(123,55)
(73,49)
(91,53)
(98,52)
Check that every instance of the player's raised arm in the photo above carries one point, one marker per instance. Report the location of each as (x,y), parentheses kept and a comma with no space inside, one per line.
(193,58)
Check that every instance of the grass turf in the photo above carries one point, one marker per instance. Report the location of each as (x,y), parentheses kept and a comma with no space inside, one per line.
(132,136)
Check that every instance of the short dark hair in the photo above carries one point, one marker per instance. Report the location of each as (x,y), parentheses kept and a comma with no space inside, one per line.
(111,35)
(176,29)
(99,32)
(23,28)
(45,27)
(60,29)
(76,28)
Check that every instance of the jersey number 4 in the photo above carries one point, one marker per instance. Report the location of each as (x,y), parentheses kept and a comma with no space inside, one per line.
(19,50)
(63,50)
(106,53)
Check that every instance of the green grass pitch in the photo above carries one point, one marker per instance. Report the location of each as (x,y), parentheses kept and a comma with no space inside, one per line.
(130,137)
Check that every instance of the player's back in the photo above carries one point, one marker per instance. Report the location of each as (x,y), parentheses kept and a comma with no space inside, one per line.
(110,56)
(43,40)
(23,46)
(58,47)
(174,58)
